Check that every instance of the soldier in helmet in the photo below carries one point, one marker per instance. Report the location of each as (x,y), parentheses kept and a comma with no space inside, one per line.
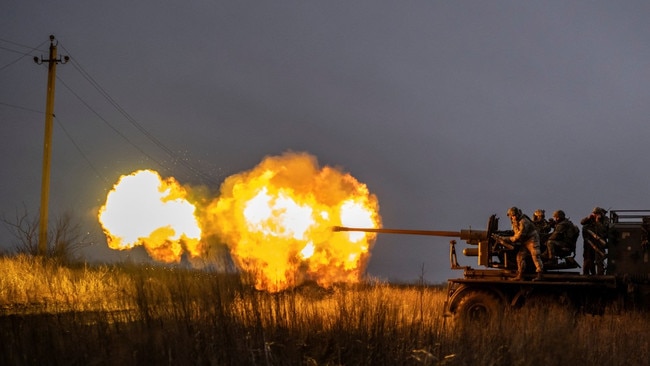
(542,225)
(561,242)
(527,236)
(595,230)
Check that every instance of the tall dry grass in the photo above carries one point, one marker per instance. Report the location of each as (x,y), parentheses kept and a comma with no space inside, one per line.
(106,315)
(40,284)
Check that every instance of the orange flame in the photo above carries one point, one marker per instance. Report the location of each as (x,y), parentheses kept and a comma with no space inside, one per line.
(142,209)
(277,220)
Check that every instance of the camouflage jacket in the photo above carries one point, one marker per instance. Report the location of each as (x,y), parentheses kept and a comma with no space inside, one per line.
(600,228)
(562,231)
(542,226)
(524,231)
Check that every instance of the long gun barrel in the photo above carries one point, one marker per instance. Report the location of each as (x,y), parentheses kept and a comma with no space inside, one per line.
(483,239)
(451,234)
(469,235)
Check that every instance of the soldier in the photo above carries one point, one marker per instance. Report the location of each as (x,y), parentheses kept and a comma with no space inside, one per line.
(542,225)
(561,242)
(595,229)
(528,238)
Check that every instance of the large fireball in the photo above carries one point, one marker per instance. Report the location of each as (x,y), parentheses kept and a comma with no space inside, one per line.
(277,220)
(143,209)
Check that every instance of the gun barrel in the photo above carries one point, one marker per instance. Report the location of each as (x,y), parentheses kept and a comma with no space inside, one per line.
(451,234)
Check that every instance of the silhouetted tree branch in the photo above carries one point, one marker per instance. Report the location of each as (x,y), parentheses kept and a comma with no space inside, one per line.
(64,240)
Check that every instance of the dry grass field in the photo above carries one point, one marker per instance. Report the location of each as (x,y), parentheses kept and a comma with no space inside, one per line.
(121,315)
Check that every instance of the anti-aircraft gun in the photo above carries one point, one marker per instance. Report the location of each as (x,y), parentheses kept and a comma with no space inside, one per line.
(486,292)
(485,241)
(490,246)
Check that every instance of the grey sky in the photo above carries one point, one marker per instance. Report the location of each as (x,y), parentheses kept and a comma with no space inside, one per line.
(448,110)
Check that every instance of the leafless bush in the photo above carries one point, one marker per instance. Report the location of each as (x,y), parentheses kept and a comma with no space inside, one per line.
(64,240)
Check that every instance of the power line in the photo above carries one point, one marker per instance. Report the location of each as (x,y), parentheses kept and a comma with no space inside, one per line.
(21,107)
(22,45)
(65,131)
(108,123)
(23,54)
(74,143)
(77,66)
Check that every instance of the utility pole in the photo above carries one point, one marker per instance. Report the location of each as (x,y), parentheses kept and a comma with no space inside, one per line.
(47,142)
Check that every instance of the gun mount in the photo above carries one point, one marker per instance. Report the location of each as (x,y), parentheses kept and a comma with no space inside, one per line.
(490,249)
(491,246)
(484,293)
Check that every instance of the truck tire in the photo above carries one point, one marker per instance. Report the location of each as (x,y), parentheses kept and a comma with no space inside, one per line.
(479,306)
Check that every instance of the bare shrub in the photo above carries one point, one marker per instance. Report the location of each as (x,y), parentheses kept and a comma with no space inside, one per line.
(64,240)
(24,229)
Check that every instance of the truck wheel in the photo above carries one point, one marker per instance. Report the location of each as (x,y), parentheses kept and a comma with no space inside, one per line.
(479,306)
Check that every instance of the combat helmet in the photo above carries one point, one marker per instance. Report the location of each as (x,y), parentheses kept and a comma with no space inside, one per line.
(514,211)
(599,211)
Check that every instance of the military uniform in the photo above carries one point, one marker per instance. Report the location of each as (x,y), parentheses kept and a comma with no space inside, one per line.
(560,238)
(594,258)
(526,234)
(542,225)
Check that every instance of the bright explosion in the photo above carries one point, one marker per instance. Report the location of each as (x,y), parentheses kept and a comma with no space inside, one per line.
(276,220)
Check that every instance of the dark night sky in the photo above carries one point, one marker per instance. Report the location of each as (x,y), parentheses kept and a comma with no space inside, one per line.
(448,110)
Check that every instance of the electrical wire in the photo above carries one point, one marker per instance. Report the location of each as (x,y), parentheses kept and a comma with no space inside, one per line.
(65,131)
(21,107)
(74,143)
(109,124)
(23,54)
(77,66)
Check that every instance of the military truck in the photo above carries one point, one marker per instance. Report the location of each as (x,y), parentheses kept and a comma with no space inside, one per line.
(487,292)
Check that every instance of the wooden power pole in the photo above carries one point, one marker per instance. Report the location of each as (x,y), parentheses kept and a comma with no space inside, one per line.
(47,143)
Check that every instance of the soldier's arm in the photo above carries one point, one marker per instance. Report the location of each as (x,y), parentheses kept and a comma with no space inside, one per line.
(518,231)
(555,235)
